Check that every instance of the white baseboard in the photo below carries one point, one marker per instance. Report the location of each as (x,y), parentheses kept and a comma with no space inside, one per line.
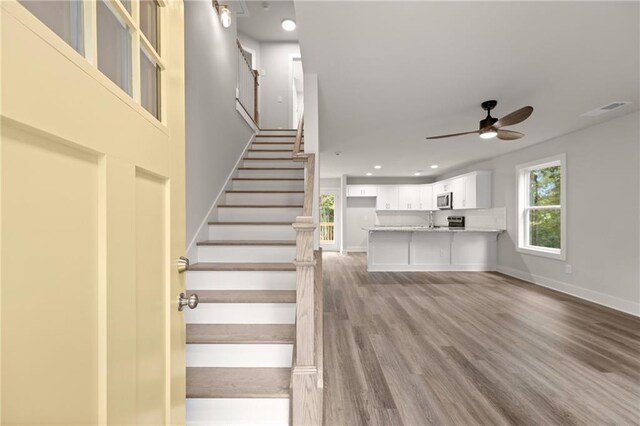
(355,249)
(203,230)
(609,301)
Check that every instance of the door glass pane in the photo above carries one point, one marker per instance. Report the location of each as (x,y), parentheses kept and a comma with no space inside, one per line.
(149,84)
(127,5)
(114,47)
(544,186)
(63,18)
(327,219)
(149,21)
(544,228)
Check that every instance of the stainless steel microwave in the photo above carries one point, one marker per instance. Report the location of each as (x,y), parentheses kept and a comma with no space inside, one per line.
(445,201)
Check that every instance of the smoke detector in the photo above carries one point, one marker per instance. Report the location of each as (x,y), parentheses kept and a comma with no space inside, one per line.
(605,109)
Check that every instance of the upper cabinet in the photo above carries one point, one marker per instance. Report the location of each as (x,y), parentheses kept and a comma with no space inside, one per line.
(362,190)
(409,197)
(472,191)
(387,197)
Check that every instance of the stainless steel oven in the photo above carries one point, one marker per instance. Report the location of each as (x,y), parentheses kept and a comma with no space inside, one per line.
(445,200)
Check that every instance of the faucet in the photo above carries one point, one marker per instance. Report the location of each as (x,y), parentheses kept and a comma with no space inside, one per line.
(430,218)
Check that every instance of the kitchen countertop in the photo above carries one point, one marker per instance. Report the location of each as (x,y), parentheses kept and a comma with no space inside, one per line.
(422,228)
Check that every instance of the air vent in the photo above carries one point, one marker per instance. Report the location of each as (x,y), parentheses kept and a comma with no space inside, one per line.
(605,108)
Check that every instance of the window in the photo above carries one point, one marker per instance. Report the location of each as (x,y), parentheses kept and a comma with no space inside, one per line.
(63,17)
(126,35)
(114,46)
(541,207)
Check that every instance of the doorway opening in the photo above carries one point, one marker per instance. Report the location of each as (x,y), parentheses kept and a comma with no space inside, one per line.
(329,230)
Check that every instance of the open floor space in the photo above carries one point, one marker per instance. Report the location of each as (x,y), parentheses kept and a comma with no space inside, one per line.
(418,348)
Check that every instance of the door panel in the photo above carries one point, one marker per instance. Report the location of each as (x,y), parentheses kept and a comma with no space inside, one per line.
(151,296)
(50,246)
(92,215)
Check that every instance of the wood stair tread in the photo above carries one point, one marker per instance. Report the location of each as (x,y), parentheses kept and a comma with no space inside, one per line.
(262,191)
(268,178)
(251,223)
(270,168)
(241,333)
(219,382)
(276,136)
(247,296)
(260,206)
(268,159)
(268,150)
(243,266)
(247,243)
(275,143)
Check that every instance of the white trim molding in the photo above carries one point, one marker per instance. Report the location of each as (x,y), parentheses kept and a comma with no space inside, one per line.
(522,193)
(613,302)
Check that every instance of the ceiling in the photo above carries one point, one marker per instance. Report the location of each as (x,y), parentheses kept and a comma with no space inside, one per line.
(391,73)
(264,24)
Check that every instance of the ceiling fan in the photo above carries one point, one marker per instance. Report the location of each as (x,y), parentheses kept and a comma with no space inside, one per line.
(491,127)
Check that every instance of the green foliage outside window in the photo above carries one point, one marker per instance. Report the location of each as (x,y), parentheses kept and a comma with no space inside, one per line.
(327,208)
(544,190)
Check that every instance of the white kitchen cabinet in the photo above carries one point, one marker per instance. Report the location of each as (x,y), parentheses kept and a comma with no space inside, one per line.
(387,197)
(409,197)
(457,188)
(426,197)
(361,190)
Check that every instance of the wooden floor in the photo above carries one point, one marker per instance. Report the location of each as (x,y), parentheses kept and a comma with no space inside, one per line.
(423,348)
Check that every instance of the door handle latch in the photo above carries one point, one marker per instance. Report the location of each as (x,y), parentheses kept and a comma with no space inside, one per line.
(191,301)
(183,264)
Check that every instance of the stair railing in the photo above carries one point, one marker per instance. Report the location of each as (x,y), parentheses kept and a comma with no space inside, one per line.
(247,86)
(307,373)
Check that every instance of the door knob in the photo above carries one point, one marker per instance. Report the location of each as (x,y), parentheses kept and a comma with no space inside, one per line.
(191,301)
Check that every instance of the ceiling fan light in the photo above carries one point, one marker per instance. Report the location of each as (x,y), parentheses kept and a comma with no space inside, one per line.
(488,134)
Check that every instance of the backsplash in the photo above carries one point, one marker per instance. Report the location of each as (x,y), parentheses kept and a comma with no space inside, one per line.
(495,218)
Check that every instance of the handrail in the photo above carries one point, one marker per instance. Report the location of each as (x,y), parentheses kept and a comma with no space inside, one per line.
(247,86)
(306,375)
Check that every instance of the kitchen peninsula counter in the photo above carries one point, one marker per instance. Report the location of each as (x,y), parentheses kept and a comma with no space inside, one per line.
(423,248)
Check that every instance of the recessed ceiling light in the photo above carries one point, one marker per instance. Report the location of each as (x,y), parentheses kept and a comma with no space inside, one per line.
(377,167)
(416,174)
(434,166)
(369,174)
(288,25)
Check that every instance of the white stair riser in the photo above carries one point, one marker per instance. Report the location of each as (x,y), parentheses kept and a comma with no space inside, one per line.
(241,313)
(273,145)
(264,198)
(237,411)
(251,232)
(270,153)
(273,185)
(278,173)
(248,214)
(266,162)
(246,253)
(241,280)
(240,355)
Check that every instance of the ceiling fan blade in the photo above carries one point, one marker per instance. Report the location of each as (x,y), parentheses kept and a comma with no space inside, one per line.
(453,134)
(509,135)
(514,118)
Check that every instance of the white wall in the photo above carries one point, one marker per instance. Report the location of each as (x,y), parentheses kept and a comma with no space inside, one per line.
(276,81)
(215,133)
(603,211)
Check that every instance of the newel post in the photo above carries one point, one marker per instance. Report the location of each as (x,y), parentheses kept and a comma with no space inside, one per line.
(305,400)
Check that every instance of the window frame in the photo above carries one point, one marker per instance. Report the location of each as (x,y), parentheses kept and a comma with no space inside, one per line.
(138,40)
(524,208)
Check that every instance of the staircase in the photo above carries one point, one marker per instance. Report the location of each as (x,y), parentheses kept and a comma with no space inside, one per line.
(240,338)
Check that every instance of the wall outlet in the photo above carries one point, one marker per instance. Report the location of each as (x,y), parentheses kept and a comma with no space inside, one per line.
(279,99)
(568,269)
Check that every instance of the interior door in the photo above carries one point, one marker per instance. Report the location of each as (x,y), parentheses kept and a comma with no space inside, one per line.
(91,207)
